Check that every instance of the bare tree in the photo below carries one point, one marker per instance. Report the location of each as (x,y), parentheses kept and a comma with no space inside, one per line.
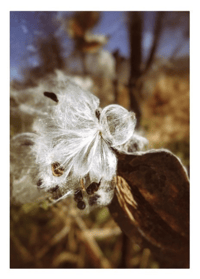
(138,70)
(183,19)
(135,39)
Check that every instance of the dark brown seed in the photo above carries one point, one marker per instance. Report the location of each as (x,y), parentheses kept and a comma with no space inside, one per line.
(89,190)
(97,112)
(81,205)
(54,189)
(56,195)
(52,96)
(39,183)
(57,170)
(27,143)
(93,200)
(93,187)
(135,145)
(78,196)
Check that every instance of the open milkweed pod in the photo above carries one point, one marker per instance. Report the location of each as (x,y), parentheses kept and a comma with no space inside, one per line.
(73,146)
(151,204)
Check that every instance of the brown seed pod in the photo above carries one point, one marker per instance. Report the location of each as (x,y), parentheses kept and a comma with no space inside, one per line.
(151,204)
(57,170)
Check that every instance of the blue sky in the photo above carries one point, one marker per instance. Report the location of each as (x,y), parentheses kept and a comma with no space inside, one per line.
(25,26)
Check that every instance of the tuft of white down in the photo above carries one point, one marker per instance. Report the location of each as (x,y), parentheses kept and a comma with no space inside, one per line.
(72,135)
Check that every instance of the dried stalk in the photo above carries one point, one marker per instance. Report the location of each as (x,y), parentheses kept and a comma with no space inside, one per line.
(92,246)
(151,205)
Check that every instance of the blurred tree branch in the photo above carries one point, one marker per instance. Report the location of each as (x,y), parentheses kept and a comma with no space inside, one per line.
(157,34)
(135,37)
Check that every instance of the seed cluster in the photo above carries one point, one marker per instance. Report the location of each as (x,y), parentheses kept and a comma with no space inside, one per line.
(78,197)
(57,170)
(91,189)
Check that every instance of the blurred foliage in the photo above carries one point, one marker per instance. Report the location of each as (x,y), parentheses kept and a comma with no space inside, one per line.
(166,115)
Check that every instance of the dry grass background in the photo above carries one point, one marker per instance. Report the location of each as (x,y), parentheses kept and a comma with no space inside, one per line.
(59,237)
(166,115)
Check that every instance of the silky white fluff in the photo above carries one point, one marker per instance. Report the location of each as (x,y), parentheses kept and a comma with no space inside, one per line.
(72,135)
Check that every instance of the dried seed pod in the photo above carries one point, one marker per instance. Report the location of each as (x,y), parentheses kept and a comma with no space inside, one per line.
(151,204)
